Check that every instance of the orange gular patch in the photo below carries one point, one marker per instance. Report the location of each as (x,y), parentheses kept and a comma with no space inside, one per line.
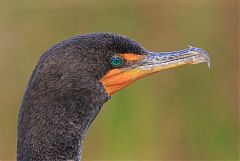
(117,79)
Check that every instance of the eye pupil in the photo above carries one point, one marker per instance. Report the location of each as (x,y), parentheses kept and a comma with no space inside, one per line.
(116,61)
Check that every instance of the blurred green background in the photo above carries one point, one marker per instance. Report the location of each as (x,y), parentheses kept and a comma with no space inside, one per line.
(189,113)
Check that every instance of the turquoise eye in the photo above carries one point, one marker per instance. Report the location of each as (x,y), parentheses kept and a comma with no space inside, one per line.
(116,61)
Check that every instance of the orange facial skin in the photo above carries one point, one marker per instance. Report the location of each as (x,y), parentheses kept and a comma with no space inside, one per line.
(131,57)
(118,78)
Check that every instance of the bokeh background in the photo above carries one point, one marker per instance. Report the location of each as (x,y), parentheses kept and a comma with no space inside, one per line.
(189,113)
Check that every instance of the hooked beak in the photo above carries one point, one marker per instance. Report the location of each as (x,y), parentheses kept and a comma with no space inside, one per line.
(166,60)
(150,63)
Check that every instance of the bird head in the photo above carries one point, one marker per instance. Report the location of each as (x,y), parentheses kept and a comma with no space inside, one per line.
(125,61)
(112,60)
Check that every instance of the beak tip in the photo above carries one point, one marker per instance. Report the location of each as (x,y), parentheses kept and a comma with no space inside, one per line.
(202,55)
(209,64)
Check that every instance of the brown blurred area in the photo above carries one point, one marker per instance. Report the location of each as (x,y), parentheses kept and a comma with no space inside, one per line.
(189,113)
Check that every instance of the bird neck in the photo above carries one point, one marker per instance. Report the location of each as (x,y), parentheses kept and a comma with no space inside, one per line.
(53,126)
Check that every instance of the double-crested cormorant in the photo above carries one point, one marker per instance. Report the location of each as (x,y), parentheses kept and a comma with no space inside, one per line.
(72,81)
